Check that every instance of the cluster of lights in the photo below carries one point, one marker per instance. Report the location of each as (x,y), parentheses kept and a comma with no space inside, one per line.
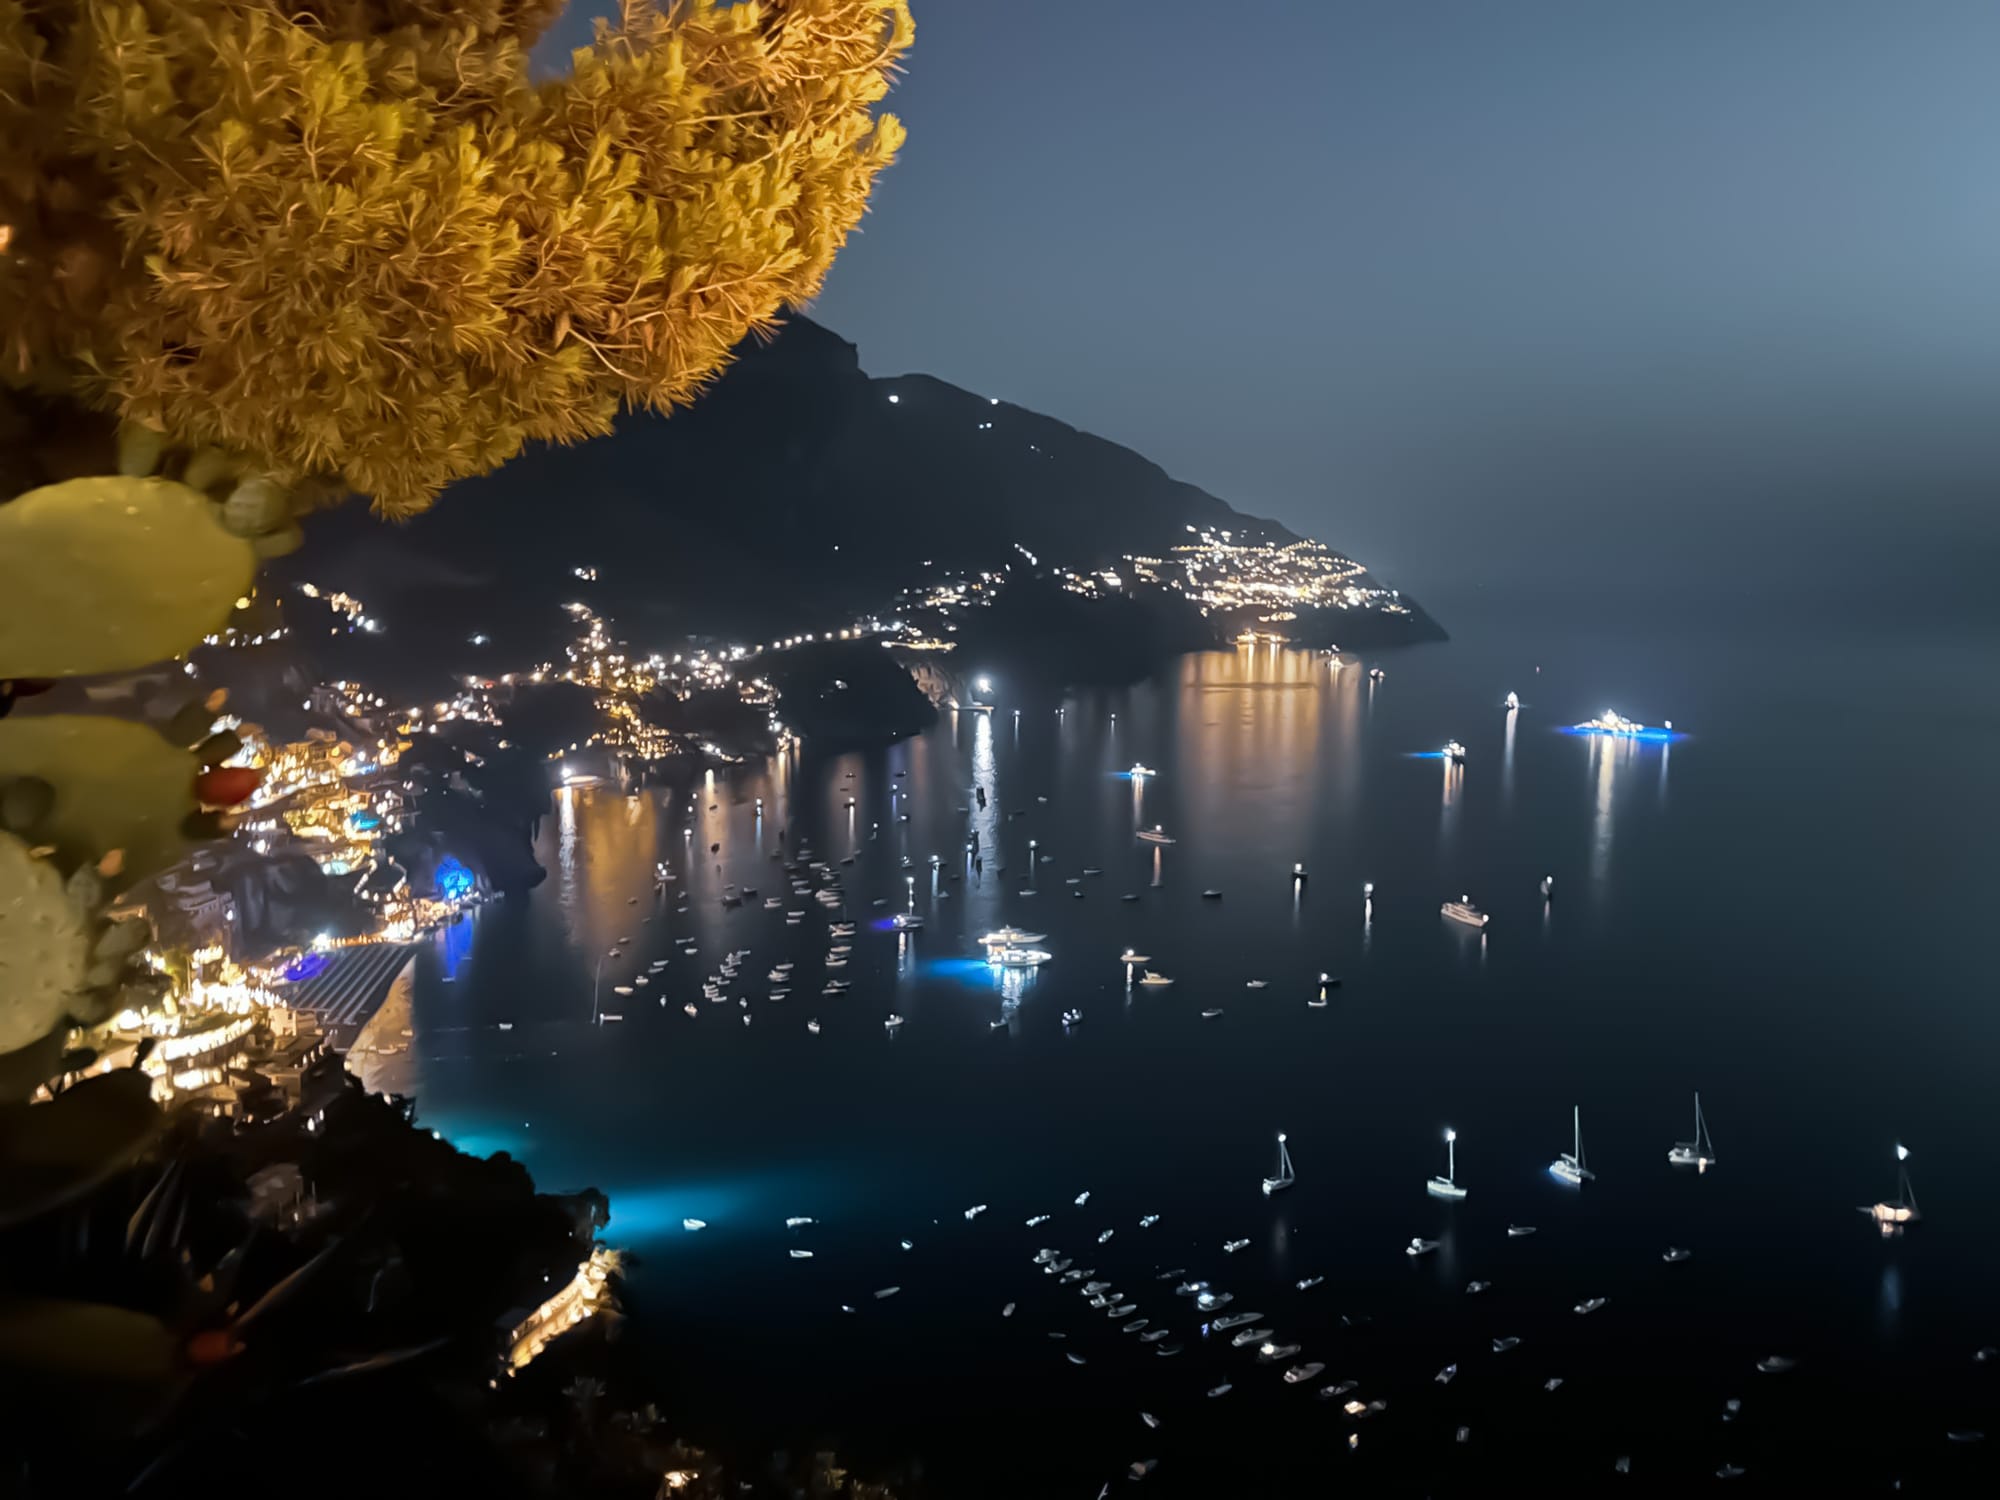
(583,1296)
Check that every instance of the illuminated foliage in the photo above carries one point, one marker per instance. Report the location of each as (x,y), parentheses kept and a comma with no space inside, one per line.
(349,240)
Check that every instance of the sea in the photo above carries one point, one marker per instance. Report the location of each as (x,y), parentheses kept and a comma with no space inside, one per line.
(1786,904)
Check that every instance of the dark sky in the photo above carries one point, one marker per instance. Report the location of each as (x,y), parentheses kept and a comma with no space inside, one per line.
(1498,296)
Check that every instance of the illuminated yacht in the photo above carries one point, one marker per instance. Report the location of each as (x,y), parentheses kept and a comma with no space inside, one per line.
(1155,981)
(1155,835)
(1131,957)
(1018,958)
(1513,702)
(1140,772)
(1447,1185)
(1611,722)
(1698,1153)
(1462,910)
(1376,674)
(1012,937)
(1569,1166)
(1892,1218)
(1454,752)
(906,921)
(1283,1179)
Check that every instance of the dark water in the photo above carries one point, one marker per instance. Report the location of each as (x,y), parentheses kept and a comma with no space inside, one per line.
(1790,909)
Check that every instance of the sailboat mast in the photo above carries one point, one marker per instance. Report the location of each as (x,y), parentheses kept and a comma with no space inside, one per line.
(1576,1120)
(1451,1157)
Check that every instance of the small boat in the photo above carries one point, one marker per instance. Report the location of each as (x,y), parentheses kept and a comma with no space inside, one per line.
(1553,1383)
(812,1025)
(746,1020)
(1154,981)
(1083,1197)
(892,1022)
(1462,910)
(691,1009)
(1210,1301)
(506,1025)
(1235,1320)
(1135,1325)
(1964,1435)
(1139,772)
(1588,1305)
(1129,896)
(1447,1185)
(621,989)
(774,903)
(1149,1419)
(1230,1247)
(1220,1390)
(1513,701)
(887,1291)
(1165,1351)
(1270,1352)
(1548,886)
(1698,1153)
(1519,1231)
(1569,1166)
(1307,1283)
(1376,674)
(1420,1247)
(1154,1337)
(693,1224)
(1211,895)
(608,1016)
(1211,1013)
(1190,1288)
(1071,1017)
(1453,752)
(1007,1311)
(799,1221)
(642,981)
(1154,835)
(1474,1288)
(1038,1219)
(1448,1374)
(1332,1392)
(779,993)
(1894,1217)
(1122,1310)
(1777,1364)
(1673,1255)
(1106,1235)
(1299,1374)
(1250,1336)
(906,921)
(1730,1471)
(1283,1178)
(800,1254)
(1073,1358)
(974,1212)
(1501,1346)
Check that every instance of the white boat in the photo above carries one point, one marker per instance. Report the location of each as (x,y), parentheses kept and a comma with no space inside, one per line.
(1454,752)
(1230,1247)
(1075,1359)
(1519,1231)
(1610,722)
(1012,937)
(1569,1166)
(691,1009)
(1270,1352)
(1155,835)
(1548,886)
(1220,1390)
(1502,1345)
(779,974)
(1674,1254)
(1447,1185)
(1299,1374)
(1138,771)
(1307,1283)
(906,921)
(1039,1219)
(1462,910)
(1894,1217)
(1018,958)
(1083,1197)
(1247,1336)
(610,1015)
(642,981)
(799,1221)
(887,1291)
(1147,1221)
(506,1025)
(1105,1238)
(774,903)
(839,929)
(1237,1320)
(1420,1247)
(1283,1178)
(1448,1374)
(813,1026)
(621,989)
(1211,895)
(1210,1301)
(1376,674)
(893,1021)
(1154,981)
(693,1224)
(1588,1305)
(1255,984)
(800,1254)
(1149,1419)
(1211,1014)
(1513,702)
(974,1212)
(1007,1311)
(1474,1288)
(1698,1153)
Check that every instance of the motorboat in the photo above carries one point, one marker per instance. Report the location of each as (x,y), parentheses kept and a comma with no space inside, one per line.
(1376,674)
(1418,1247)
(1448,1374)
(693,1224)
(1777,1364)
(1307,1283)
(974,1212)
(1895,1216)
(1018,958)
(1256,984)
(892,1022)
(1155,835)
(799,1221)
(1512,702)
(621,989)
(1105,1237)
(1230,1247)
(1235,1320)
(1270,1353)
(1147,1221)
(1083,1197)
(1300,1374)
(906,921)
(691,1009)
(1333,1392)
(1154,1337)
(1519,1231)
(1249,1336)
(1007,1311)
(1072,1017)
(1674,1255)
(1698,1153)
(1129,957)
(1610,722)
(1474,1288)
(887,1292)
(1447,1185)
(1039,1219)
(1220,1390)
(1210,1301)
(1587,1306)
(1135,1325)
(1502,1345)
(800,1254)
(813,1026)
(1211,1013)
(1074,1358)
(1462,910)
(1283,1178)
(1154,981)
(1569,1166)
(1139,772)
(1122,1310)
(1011,937)
(1453,752)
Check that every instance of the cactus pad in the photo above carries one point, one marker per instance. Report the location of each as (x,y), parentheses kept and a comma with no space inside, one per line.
(118,785)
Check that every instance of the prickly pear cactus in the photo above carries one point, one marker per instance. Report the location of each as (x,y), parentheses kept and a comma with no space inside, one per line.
(116,784)
(112,572)
(44,946)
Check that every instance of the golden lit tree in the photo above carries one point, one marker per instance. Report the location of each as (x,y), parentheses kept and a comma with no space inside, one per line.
(352,246)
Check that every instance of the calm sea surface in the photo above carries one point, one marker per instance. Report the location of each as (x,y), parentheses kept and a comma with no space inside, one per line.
(1790,909)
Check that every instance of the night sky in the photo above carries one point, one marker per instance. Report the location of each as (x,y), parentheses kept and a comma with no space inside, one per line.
(1536,297)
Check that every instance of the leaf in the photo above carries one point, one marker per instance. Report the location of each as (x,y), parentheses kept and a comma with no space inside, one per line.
(52,1154)
(109,573)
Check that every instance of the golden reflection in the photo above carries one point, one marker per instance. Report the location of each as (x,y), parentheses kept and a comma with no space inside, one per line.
(1507,759)
(1254,721)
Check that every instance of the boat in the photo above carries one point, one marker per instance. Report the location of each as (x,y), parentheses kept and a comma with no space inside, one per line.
(1105,1237)
(1211,895)
(1332,1392)
(1220,1390)
(1447,1185)
(1462,910)
(1165,1351)
(1155,835)
(1553,1383)
(800,1254)
(1018,958)
(1012,937)
(1038,1219)
(1307,1283)
(1138,771)
(610,1015)
(1147,1221)
(1698,1153)
(1283,1178)
(691,1009)
(1154,1337)
(1376,674)
(1210,1301)
(1075,1359)
(1548,886)
(621,989)
(1610,722)
(1129,896)
(1587,1306)
(693,1224)
(1569,1166)
(1501,1346)
(1777,1364)
(1519,1231)
(1299,1374)
(887,1291)
(779,974)
(506,1025)
(1894,1217)
(1007,1311)
(1230,1247)
(1256,984)
(906,921)
(892,1022)
(1083,1197)
(1249,1336)
(974,1212)
(813,1026)
(642,981)
(1418,1247)
(1122,1310)
(1448,1374)
(1149,1419)
(839,929)
(1072,1017)
(1318,1002)
(1474,1288)
(799,1221)
(1513,701)
(1269,1353)
(1154,981)
(774,903)
(1211,1013)
(1453,752)
(1235,1320)
(1091,1288)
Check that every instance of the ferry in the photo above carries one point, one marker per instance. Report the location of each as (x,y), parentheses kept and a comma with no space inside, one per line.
(1155,835)
(1462,910)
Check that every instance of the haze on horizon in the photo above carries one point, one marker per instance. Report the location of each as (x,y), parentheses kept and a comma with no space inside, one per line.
(1549,295)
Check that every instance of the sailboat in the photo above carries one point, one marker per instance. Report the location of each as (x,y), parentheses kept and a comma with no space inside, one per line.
(1569,1166)
(1447,1186)
(1698,1153)
(1892,1218)
(1284,1178)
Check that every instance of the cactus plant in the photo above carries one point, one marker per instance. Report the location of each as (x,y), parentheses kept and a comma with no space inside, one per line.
(112,572)
(118,785)
(44,946)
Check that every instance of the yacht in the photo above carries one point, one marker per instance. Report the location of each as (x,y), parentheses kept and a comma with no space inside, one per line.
(1154,1337)
(906,921)
(1235,1320)
(1012,937)
(1454,752)
(1609,722)
(1018,958)
(1894,1217)
(1220,1390)
(1447,1185)
(1418,1247)
(1283,1178)
(1139,772)
(1155,835)
(1698,1153)
(1462,910)
(1513,702)
(1154,981)
(1569,1166)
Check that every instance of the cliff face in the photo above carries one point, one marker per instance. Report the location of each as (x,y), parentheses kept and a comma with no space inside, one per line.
(797,491)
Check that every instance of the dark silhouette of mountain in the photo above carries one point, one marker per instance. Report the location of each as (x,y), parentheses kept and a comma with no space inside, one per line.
(797,491)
